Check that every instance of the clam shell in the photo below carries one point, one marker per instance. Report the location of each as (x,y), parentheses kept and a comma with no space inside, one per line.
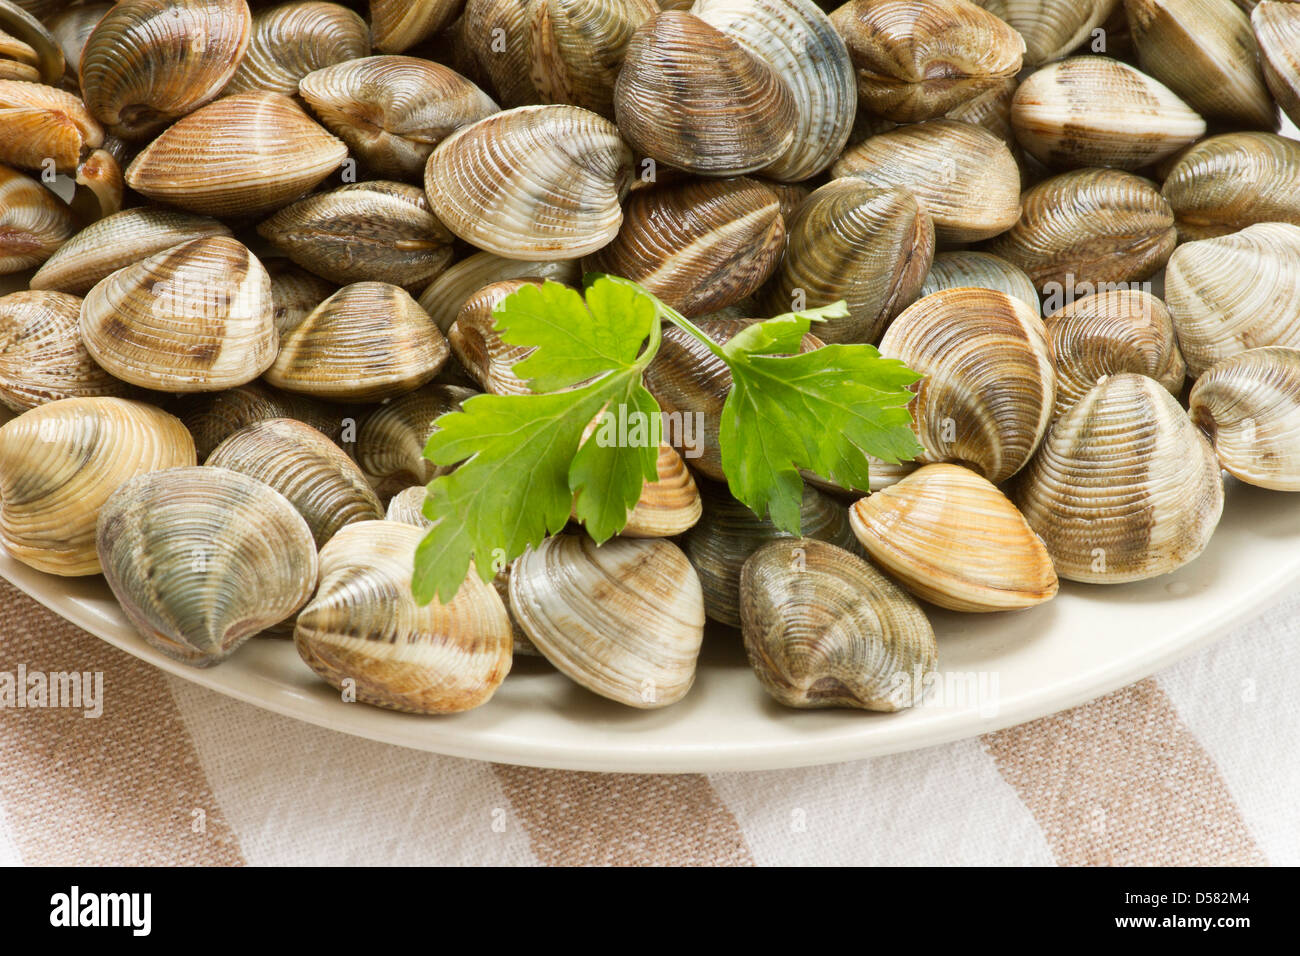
(964,175)
(953,539)
(478,346)
(195,318)
(1088,227)
(1095,111)
(1228,182)
(692,97)
(407,507)
(989,385)
(1249,406)
(1124,330)
(40,124)
(537,183)
(991,110)
(728,533)
(381,231)
(1125,487)
(71,28)
(797,40)
(393,110)
(390,443)
(60,462)
(366,342)
(101,186)
(916,61)
(295,293)
(149,62)
(244,155)
(397,25)
(212,417)
(1234,293)
(700,245)
(201,559)
(293,39)
(852,241)
(30,50)
(981,270)
(118,241)
(669,506)
(625,620)
(447,294)
(33,222)
(315,475)
(1051,28)
(41,355)
(1277,30)
(822,628)
(1205,51)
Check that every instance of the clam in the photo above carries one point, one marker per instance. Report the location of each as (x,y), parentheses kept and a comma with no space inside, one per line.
(41,355)
(789,196)
(1249,406)
(295,293)
(118,241)
(315,475)
(1205,51)
(33,222)
(1088,227)
(40,125)
(211,417)
(70,28)
(916,61)
(407,507)
(293,39)
(797,40)
(27,49)
(446,295)
(397,25)
(981,270)
(989,385)
(728,533)
(698,244)
(1234,293)
(1095,111)
(101,186)
(953,539)
(1228,182)
(150,62)
(376,230)
(1277,30)
(882,475)
(393,110)
(964,175)
(850,240)
(390,442)
(625,620)
(991,110)
(692,97)
(669,506)
(194,318)
(366,342)
(1120,330)
(1052,28)
(201,559)
(1125,487)
(478,346)
(822,628)
(60,462)
(537,182)
(244,155)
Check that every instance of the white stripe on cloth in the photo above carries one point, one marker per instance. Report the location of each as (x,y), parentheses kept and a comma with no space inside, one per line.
(940,806)
(298,794)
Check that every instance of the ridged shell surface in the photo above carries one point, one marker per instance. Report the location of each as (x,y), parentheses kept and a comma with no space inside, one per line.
(478,346)
(390,443)
(1277,30)
(669,506)
(33,222)
(398,25)
(1228,182)
(42,358)
(212,417)
(446,295)
(980,270)
(40,124)
(293,39)
(1052,28)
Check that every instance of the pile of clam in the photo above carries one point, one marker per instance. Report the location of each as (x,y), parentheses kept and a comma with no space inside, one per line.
(259,247)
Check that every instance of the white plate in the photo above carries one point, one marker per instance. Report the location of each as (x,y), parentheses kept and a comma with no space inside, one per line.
(1090,640)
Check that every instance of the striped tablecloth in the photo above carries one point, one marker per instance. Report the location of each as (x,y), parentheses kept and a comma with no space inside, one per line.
(1197,765)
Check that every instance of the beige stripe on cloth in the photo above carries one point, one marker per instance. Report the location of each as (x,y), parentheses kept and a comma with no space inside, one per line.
(591,819)
(1122,781)
(121,788)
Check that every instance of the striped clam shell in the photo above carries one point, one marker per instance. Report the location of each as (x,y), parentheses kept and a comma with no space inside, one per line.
(71,27)
(61,461)
(964,175)
(1249,406)
(1125,487)
(42,358)
(852,241)
(698,244)
(446,295)
(397,25)
(537,182)
(981,270)
(295,293)
(1277,30)
(624,620)
(478,345)
(407,507)
(195,318)
(201,559)
(991,110)
(28,52)
(212,417)
(40,124)
(822,628)
(1231,181)
(390,442)
(1088,227)
(989,386)
(669,506)
(1052,28)
(1122,330)
(33,222)
(293,39)
(1235,292)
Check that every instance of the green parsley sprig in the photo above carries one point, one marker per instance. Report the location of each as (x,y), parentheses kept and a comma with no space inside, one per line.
(529,462)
